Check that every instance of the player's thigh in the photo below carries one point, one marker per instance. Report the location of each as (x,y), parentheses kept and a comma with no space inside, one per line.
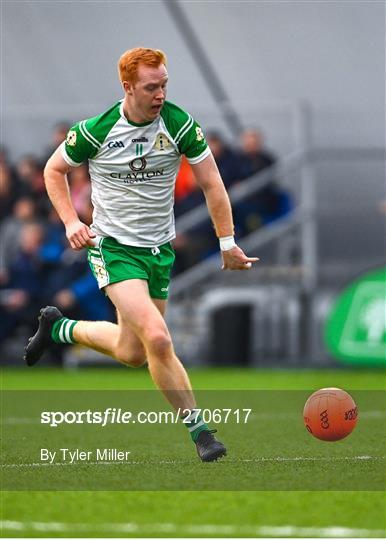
(160,304)
(137,311)
(129,348)
(129,344)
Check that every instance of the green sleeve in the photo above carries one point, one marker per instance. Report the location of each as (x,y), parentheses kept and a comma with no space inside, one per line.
(186,132)
(193,142)
(77,148)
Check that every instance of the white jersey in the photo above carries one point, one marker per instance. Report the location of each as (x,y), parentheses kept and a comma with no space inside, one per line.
(133,168)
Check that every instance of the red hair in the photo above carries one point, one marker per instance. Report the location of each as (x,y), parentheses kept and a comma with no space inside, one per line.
(131,59)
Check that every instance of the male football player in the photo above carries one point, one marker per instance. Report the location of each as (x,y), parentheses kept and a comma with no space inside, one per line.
(134,151)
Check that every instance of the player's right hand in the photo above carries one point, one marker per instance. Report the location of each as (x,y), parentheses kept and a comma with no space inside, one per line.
(235,259)
(79,235)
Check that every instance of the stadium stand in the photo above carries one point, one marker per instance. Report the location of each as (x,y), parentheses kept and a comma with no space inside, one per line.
(34,248)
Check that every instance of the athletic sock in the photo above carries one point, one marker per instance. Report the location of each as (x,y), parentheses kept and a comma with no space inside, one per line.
(195,424)
(63,330)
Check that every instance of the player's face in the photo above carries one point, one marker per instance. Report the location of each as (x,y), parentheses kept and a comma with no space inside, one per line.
(149,93)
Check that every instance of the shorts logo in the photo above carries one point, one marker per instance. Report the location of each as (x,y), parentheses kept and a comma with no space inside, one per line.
(101,274)
(161,142)
(71,138)
(138,164)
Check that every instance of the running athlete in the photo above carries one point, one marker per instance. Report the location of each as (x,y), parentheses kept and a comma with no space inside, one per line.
(134,151)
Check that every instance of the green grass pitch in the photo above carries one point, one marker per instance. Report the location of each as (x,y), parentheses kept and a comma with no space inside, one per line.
(287,503)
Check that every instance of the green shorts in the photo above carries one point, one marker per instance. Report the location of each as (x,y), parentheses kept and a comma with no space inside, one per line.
(112,262)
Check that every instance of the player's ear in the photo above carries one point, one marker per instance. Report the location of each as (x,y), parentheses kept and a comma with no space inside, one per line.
(128,87)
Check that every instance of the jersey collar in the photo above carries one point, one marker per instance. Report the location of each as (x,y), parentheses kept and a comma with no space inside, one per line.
(130,121)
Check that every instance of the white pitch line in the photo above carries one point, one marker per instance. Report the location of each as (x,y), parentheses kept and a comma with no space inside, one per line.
(192,529)
(68,463)
(310,458)
(176,462)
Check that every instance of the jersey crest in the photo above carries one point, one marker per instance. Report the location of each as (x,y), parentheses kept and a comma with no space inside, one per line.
(71,138)
(161,142)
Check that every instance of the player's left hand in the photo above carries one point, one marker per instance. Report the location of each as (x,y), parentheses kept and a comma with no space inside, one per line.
(235,259)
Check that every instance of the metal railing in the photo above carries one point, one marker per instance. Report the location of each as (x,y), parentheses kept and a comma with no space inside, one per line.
(301,217)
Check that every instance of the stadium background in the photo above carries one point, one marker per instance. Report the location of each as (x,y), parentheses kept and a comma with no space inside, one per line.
(310,75)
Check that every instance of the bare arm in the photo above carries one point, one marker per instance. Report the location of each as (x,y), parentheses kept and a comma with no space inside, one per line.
(78,234)
(209,180)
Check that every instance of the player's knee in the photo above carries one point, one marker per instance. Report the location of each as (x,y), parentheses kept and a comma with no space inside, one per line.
(159,343)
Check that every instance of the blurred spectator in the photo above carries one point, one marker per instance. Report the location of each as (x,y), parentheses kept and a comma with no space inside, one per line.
(8,190)
(24,211)
(185,182)
(271,201)
(187,194)
(55,241)
(228,161)
(255,157)
(31,180)
(30,175)
(20,294)
(80,186)
(4,155)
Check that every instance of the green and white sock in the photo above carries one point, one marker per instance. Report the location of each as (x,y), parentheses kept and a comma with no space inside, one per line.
(63,330)
(195,424)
